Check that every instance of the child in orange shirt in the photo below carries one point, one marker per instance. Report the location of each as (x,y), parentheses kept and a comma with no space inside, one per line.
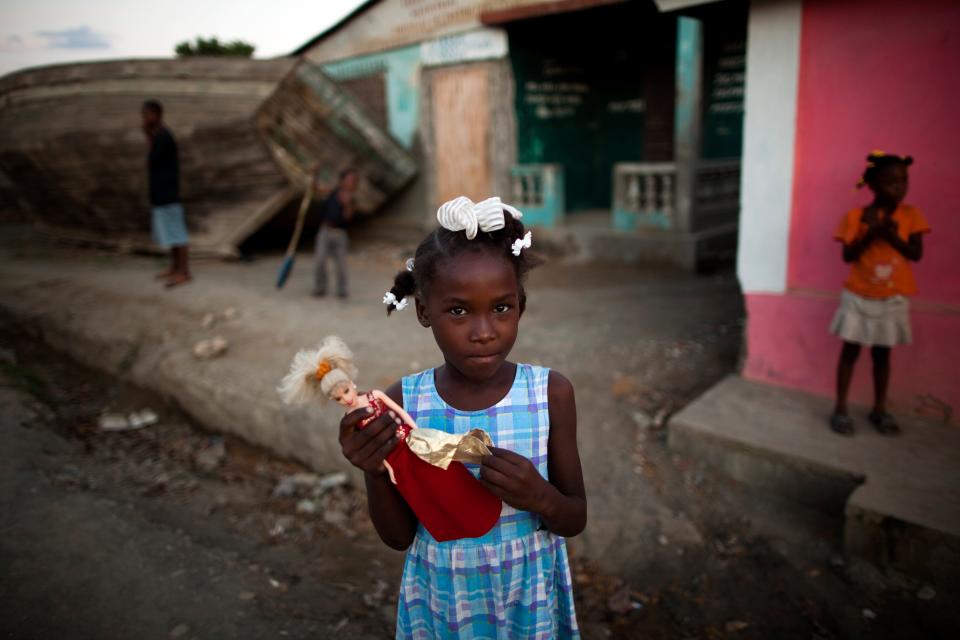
(879,240)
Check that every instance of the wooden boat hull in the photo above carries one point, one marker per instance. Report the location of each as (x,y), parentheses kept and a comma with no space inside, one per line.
(72,147)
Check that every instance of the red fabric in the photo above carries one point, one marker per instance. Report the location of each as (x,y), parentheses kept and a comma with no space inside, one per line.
(450,503)
(378,406)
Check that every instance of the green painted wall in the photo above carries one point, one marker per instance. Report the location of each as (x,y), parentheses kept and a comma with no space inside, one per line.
(724,70)
(580,92)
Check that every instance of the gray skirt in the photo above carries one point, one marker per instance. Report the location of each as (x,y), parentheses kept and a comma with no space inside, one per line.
(872,322)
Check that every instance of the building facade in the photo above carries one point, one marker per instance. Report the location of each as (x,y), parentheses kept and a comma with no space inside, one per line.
(611,116)
(827,82)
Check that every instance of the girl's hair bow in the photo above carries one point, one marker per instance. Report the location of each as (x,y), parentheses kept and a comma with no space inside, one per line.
(462,214)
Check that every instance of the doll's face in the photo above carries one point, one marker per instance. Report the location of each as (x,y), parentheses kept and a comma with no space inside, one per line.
(346,395)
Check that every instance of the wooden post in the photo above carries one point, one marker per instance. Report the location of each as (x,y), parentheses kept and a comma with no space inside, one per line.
(688,116)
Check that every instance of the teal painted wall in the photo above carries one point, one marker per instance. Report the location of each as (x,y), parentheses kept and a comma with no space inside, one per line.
(402,71)
(688,80)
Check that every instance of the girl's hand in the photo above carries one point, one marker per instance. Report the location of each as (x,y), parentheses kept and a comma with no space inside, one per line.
(515,480)
(366,448)
(888,229)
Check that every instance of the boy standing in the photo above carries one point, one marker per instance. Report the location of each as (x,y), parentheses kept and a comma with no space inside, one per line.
(163,167)
(335,215)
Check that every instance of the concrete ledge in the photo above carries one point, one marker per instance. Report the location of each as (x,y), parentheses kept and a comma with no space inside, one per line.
(689,251)
(821,487)
(900,497)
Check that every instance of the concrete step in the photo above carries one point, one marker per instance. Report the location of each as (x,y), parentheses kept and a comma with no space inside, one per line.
(899,496)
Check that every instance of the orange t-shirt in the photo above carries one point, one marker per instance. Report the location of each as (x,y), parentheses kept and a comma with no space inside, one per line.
(881,271)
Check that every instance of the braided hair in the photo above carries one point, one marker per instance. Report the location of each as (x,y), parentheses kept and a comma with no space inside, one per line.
(442,244)
(879,160)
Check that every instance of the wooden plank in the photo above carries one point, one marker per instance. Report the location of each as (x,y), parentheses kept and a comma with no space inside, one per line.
(461,119)
(310,120)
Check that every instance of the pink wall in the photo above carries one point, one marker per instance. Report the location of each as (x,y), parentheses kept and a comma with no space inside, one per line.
(874,74)
(789,346)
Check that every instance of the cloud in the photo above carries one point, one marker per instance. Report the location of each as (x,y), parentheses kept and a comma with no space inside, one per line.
(77,38)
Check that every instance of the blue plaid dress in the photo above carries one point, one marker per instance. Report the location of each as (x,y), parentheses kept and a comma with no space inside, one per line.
(514,582)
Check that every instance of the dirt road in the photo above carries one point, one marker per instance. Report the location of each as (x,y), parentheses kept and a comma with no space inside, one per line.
(173,532)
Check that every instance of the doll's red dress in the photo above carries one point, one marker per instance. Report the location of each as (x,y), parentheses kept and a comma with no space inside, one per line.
(450,503)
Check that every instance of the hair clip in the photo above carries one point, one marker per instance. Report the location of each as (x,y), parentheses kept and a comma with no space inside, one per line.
(522,243)
(409,264)
(390,299)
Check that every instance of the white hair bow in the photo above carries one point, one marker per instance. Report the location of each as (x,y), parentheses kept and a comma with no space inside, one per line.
(462,214)
(522,243)
(399,305)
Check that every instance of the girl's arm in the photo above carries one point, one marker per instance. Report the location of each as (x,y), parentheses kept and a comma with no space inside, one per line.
(561,503)
(853,251)
(912,249)
(366,449)
(387,400)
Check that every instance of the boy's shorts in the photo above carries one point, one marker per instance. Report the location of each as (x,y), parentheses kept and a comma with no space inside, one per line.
(872,322)
(169,228)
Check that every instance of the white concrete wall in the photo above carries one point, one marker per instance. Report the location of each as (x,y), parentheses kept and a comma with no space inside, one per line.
(773,57)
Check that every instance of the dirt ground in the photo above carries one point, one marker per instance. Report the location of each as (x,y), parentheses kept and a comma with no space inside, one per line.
(174,532)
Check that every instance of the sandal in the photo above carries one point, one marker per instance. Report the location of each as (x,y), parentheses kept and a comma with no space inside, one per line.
(842,424)
(177,280)
(884,423)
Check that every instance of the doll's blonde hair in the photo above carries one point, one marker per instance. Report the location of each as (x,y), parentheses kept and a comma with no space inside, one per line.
(315,373)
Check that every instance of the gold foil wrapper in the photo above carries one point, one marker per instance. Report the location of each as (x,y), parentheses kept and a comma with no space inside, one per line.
(440,448)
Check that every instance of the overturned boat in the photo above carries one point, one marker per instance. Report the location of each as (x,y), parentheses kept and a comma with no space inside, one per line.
(248,131)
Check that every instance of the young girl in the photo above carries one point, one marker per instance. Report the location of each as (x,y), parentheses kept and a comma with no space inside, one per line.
(466,280)
(879,240)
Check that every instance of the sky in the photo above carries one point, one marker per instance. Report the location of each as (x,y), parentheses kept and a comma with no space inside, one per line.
(40,32)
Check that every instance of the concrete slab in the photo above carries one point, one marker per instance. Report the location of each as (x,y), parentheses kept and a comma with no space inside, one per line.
(900,496)
(594,239)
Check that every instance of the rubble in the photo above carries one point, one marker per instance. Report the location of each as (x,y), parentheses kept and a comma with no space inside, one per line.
(112,422)
(622,601)
(210,348)
(307,507)
(130,422)
(302,484)
(212,456)
(281,525)
(211,319)
(374,597)
(734,626)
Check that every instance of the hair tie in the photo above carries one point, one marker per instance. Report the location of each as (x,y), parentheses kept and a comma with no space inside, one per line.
(522,243)
(323,369)
(409,264)
(390,299)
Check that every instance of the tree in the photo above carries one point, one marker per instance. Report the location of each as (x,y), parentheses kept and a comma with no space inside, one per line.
(213,47)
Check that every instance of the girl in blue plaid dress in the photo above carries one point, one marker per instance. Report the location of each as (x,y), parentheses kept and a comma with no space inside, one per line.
(466,280)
